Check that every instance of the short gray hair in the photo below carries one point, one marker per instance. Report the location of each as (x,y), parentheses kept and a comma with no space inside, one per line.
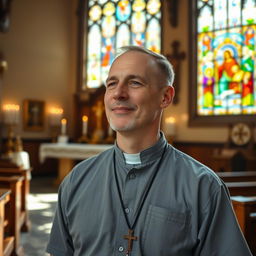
(164,65)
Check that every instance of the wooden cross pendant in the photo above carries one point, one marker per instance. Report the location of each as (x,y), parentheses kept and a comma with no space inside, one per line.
(130,239)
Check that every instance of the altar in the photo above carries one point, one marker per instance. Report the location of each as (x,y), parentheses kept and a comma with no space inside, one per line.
(66,153)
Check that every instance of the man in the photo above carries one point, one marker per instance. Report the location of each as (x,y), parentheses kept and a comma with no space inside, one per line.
(143,197)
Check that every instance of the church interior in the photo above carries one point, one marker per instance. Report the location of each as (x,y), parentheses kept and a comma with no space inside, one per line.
(52,112)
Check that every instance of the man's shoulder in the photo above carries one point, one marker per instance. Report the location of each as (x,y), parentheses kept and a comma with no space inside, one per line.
(95,161)
(195,177)
(90,166)
(193,168)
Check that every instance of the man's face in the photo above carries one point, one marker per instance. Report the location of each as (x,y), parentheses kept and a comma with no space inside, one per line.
(134,93)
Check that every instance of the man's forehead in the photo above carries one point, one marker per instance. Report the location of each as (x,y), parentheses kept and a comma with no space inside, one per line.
(126,76)
(134,55)
(133,60)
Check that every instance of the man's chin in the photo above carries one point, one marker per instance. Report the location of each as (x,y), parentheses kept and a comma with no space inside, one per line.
(122,128)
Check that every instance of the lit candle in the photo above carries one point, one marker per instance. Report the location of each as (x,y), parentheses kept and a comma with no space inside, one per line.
(11,113)
(55,116)
(63,126)
(170,126)
(85,125)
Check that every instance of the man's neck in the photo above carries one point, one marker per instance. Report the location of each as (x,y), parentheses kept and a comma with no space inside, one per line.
(135,143)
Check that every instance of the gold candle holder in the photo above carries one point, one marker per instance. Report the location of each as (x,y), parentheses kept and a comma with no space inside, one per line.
(10,141)
(11,118)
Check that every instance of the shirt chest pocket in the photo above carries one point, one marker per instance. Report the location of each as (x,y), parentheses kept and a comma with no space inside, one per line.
(166,232)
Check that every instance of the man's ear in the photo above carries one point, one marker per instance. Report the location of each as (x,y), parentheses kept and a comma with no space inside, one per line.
(168,95)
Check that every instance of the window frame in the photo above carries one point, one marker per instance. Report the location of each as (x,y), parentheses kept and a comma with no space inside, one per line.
(194,118)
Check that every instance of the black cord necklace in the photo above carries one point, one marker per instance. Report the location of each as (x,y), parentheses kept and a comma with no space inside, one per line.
(130,237)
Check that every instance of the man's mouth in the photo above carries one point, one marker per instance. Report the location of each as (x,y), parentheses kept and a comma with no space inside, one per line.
(122,110)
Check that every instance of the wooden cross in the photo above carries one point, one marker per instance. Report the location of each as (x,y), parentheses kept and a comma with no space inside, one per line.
(130,239)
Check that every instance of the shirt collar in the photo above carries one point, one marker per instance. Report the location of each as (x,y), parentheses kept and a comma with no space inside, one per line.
(148,155)
(132,158)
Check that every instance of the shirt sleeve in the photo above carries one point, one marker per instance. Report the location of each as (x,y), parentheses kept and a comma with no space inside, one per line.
(60,242)
(219,232)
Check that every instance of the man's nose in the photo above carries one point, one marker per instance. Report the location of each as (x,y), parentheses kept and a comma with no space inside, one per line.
(121,92)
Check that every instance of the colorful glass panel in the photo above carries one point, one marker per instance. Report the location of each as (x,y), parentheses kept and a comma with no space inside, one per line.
(249,10)
(109,9)
(220,14)
(93,64)
(153,36)
(95,13)
(205,19)
(138,28)
(116,23)
(226,81)
(123,10)
(234,13)
(153,6)
(123,36)
(139,5)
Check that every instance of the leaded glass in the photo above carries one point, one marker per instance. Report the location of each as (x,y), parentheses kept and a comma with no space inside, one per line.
(95,13)
(153,36)
(234,13)
(138,28)
(123,10)
(139,5)
(226,81)
(123,36)
(153,6)
(93,49)
(116,23)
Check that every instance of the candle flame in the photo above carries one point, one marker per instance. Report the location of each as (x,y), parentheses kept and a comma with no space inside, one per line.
(63,121)
(9,107)
(85,118)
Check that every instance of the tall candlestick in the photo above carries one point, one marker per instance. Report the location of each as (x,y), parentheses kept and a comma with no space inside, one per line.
(63,126)
(170,126)
(85,125)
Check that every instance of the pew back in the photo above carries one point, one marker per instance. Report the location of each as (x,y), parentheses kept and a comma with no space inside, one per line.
(237,176)
(244,188)
(245,210)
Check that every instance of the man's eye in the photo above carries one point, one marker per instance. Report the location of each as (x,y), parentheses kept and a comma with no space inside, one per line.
(110,84)
(135,83)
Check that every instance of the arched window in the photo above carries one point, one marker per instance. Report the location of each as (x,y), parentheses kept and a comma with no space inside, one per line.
(224,74)
(112,24)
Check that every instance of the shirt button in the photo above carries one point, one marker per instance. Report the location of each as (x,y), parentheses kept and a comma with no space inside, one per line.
(132,176)
(121,249)
(127,210)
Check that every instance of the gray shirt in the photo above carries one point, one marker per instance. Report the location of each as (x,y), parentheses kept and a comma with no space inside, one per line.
(187,211)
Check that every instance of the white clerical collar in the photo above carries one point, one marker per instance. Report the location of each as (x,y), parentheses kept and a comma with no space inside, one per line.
(132,158)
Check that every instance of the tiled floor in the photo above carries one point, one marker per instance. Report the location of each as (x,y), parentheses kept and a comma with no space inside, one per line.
(41,203)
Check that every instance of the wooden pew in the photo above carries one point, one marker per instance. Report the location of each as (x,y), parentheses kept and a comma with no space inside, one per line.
(245,210)
(14,183)
(244,188)
(25,222)
(6,241)
(237,176)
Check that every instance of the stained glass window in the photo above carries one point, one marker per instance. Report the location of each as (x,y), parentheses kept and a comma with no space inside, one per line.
(226,69)
(116,23)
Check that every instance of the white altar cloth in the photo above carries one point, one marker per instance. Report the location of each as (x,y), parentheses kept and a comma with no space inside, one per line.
(73,151)
(67,152)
